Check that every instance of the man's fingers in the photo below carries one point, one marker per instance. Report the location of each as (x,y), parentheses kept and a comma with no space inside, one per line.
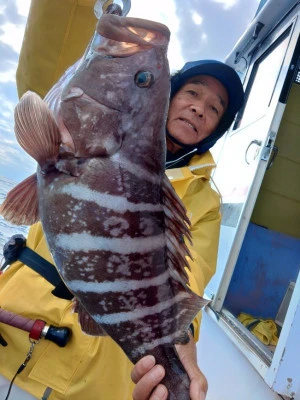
(188,356)
(142,367)
(149,381)
(159,393)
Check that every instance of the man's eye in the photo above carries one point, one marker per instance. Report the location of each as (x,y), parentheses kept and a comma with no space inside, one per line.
(215,110)
(192,92)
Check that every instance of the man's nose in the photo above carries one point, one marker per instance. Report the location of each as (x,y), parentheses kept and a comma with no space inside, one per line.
(198,108)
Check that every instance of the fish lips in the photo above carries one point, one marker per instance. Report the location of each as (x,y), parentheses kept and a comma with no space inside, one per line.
(75,93)
(130,33)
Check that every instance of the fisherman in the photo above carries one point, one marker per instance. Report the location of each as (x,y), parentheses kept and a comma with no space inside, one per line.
(205,97)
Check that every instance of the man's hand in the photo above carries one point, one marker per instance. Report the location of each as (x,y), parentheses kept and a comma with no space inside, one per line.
(188,356)
(147,375)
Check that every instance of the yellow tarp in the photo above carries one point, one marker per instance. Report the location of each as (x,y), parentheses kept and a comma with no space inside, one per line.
(56,35)
(264,329)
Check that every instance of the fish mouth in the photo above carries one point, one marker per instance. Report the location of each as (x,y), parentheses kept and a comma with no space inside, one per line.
(134,31)
(189,123)
(108,106)
(77,93)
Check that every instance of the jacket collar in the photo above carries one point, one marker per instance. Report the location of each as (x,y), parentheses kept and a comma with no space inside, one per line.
(202,164)
(200,161)
(199,165)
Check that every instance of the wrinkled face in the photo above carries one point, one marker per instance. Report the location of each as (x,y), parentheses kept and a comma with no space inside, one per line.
(196,110)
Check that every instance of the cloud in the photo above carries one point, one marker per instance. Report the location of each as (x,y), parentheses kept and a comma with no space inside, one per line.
(7,140)
(11,34)
(12,25)
(8,54)
(8,65)
(197,18)
(227,4)
(218,32)
(14,162)
(165,13)
(7,97)
(23,7)
(9,12)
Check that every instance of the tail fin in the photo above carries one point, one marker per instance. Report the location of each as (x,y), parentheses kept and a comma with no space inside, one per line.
(176,378)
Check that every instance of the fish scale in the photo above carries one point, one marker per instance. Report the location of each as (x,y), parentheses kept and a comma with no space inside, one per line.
(113,223)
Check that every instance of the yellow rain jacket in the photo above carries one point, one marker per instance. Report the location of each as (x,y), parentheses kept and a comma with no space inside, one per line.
(88,367)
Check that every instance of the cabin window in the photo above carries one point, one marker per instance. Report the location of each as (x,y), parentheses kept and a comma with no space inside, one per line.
(262,82)
(297,80)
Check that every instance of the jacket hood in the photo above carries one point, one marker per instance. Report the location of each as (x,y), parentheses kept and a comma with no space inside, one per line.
(230,80)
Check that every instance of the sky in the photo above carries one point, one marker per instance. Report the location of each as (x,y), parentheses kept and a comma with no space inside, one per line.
(199,29)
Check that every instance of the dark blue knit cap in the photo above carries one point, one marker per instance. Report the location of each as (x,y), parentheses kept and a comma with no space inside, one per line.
(230,80)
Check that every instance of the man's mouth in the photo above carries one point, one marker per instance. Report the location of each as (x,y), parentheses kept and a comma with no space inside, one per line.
(189,124)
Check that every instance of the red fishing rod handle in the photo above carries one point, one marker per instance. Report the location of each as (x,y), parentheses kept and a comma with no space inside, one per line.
(18,321)
(37,328)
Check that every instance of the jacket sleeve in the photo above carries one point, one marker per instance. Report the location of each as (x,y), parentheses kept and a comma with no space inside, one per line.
(203,207)
(63,369)
(57,34)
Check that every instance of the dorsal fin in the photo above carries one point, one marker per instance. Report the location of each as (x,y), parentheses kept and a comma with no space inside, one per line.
(177,228)
(21,204)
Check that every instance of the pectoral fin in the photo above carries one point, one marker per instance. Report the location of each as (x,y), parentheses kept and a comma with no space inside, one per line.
(88,325)
(36,130)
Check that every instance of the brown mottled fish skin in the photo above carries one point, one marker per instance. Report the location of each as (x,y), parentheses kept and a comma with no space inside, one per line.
(112,220)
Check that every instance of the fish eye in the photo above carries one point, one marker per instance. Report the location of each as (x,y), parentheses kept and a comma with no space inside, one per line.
(143,79)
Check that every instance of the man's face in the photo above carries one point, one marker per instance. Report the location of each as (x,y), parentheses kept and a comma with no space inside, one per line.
(196,110)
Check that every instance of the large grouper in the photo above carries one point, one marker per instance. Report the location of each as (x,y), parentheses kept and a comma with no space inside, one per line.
(113,223)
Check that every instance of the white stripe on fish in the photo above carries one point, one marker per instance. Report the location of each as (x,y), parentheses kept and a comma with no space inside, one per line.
(136,170)
(116,203)
(117,286)
(148,346)
(125,245)
(138,313)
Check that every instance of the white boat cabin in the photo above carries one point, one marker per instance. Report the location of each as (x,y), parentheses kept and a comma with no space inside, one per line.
(258,176)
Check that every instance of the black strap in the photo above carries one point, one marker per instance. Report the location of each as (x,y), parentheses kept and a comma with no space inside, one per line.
(15,249)
(253,324)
